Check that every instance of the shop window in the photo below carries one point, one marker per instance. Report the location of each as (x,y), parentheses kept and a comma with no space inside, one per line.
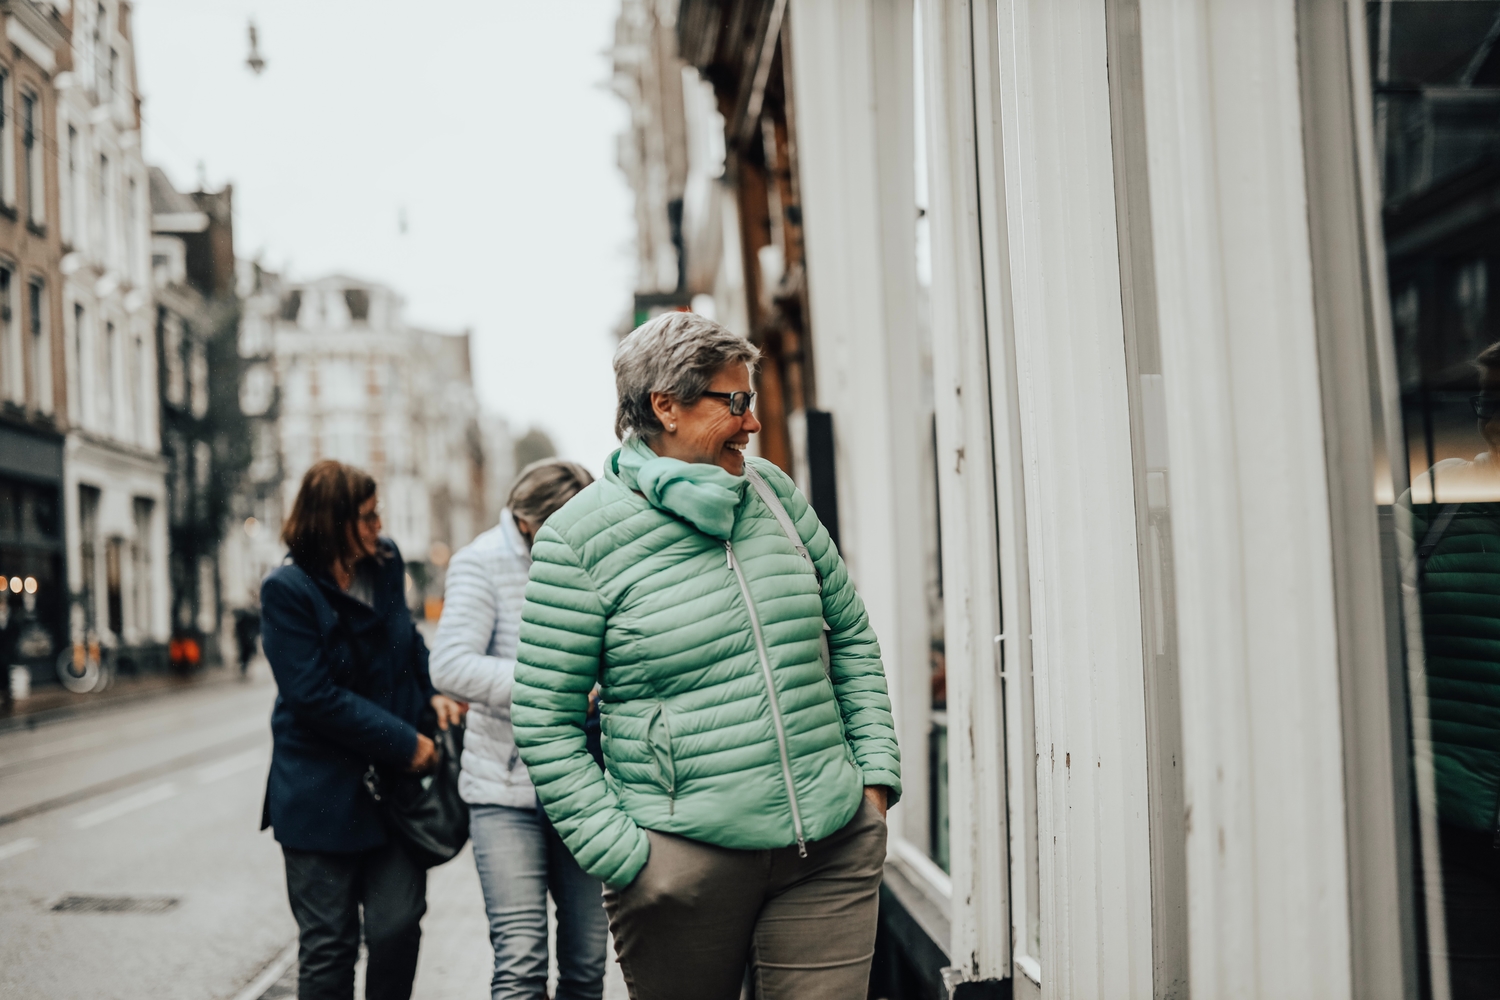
(1436,99)
(141,565)
(86,620)
(114,594)
(931,527)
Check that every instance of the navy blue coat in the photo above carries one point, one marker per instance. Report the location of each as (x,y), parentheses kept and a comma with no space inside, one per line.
(352,685)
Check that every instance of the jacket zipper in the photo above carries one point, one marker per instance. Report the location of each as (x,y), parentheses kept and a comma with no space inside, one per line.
(765,669)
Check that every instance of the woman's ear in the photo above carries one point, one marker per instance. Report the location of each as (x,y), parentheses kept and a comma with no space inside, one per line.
(665,408)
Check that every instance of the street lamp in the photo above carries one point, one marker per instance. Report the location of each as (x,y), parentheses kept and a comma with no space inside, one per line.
(255,62)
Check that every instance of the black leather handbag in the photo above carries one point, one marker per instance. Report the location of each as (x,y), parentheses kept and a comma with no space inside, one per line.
(424,811)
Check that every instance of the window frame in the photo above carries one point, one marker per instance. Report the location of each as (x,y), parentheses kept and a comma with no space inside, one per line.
(12,338)
(7,138)
(34,113)
(39,342)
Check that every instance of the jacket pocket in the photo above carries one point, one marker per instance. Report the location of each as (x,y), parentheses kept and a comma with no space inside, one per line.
(838,713)
(659,736)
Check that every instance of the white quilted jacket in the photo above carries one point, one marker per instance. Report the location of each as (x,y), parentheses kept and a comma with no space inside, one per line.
(474,659)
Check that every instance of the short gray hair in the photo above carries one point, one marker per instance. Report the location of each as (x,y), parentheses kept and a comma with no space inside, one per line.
(543,487)
(676,353)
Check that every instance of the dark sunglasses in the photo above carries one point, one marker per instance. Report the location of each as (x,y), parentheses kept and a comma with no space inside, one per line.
(738,402)
(1484,406)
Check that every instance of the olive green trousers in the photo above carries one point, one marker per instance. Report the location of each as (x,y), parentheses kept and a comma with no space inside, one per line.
(696,914)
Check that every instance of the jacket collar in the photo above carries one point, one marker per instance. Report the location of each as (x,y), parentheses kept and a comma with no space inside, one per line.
(514,540)
(704,495)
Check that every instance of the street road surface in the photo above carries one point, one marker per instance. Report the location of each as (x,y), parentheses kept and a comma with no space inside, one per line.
(132,866)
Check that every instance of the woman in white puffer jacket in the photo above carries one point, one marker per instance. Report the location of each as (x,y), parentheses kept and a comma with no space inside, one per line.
(518,854)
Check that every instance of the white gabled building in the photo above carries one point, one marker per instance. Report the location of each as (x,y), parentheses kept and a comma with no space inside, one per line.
(1160,323)
(334,371)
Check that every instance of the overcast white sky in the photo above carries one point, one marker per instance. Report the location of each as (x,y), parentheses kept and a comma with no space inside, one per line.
(487,121)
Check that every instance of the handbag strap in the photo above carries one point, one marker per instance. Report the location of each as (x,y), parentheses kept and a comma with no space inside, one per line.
(770,499)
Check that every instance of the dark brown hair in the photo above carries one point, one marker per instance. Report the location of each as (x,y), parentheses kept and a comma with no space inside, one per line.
(321,527)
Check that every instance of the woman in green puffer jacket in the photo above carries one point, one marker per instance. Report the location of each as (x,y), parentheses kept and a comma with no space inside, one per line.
(740,815)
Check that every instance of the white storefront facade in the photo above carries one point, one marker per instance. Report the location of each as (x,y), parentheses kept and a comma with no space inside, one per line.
(114,473)
(1097,299)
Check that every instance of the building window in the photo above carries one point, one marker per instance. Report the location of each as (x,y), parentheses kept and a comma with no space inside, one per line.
(114,591)
(132,237)
(101,82)
(11,353)
(198,378)
(111,73)
(80,360)
(108,366)
(68,200)
(173,333)
(7,144)
(36,187)
(141,388)
(140,559)
(88,563)
(105,247)
(41,346)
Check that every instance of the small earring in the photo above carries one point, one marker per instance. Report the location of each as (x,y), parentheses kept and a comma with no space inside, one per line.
(672,428)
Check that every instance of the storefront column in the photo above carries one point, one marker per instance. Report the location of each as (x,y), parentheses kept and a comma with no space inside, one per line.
(1059,294)
(852,63)
(1263,757)
(966,487)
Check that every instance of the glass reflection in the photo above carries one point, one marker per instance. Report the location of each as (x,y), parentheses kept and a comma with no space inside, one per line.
(1436,69)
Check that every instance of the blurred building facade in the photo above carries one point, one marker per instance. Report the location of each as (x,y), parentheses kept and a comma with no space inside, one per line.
(115,490)
(204,438)
(36,407)
(1118,311)
(333,370)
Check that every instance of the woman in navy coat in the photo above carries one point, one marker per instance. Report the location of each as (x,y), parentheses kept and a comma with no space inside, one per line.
(351,674)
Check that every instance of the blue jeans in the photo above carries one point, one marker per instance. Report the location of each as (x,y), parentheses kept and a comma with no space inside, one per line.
(520,858)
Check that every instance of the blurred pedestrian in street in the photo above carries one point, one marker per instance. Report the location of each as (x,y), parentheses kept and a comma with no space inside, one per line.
(741,817)
(351,674)
(519,855)
(246,634)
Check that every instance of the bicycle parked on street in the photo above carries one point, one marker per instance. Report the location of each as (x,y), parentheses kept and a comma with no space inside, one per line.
(86,666)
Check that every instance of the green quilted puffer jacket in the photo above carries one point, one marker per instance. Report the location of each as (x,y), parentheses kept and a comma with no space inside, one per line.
(1461,633)
(719,721)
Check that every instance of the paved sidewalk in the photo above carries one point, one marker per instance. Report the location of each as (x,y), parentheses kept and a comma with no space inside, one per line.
(455,959)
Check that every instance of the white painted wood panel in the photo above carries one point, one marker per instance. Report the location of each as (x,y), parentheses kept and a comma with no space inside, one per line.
(1062,250)
(1259,672)
(976,762)
(852,65)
